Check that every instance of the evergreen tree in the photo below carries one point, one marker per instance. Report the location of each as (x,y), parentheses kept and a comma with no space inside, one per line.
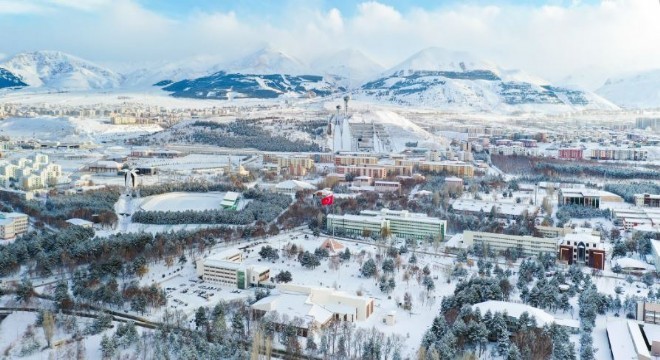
(514,353)
(345,255)
(368,268)
(388,266)
(237,325)
(586,346)
(200,317)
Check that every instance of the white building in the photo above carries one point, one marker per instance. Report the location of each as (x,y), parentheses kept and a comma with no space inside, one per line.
(506,210)
(403,224)
(12,224)
(226,268)
(80,222)
(315,305)
(528,245)
(290,187)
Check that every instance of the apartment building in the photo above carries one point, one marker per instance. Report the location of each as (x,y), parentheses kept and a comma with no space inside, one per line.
(12,224)
(618,154)
(347,160)
(301,161)
(571,154)
(457,168)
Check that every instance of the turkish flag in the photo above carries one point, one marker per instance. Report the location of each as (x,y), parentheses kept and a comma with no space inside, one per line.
(328,199)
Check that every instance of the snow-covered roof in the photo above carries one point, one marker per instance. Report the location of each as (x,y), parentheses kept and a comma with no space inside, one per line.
(486,206)
(456,241)
(630,263)
(106,164)
(626,340)
(79,222)
(656,246)
(294,184)
(582,237)
(294,304)
(332,245)
(516,309)
(453,179)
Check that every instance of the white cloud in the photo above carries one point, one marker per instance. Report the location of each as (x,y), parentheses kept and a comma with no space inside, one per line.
(16,7)
(606,39)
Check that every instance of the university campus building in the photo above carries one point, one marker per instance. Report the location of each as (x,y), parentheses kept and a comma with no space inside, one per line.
(402,224)
(226,268)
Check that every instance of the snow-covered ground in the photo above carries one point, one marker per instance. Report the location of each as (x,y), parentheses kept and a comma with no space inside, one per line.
(181,201)
(70,129)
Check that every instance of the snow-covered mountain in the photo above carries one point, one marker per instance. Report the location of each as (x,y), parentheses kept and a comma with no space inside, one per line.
(266,61)
(223,86)
(641,90)
(440,78)
(148,75)
(9,80)
(61,71)
(265,74)
(350,65)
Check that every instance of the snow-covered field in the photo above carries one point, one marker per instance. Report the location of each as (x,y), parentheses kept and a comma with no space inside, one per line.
(70,129)
(181,201)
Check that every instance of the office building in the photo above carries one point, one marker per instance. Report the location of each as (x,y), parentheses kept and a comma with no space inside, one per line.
(226,268)
(402,224)
(498,243)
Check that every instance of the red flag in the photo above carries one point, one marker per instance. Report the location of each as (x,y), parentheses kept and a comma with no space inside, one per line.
(328,199)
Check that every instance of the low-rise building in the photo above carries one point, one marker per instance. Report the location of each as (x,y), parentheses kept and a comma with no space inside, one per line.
(387,186)
(635,217)
(81,222)
(290,187)
(316,306)
(647,200)
(582,247)
(104,167)
(230,200)
(629,339)
(586,197)
(502,210)
(12,224)
(226,268)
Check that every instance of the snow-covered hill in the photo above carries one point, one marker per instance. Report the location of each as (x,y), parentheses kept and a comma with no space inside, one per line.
(437,78)
(350,66)
(641,90)
(60,71)
(265,74)
(9,80)
(223,86)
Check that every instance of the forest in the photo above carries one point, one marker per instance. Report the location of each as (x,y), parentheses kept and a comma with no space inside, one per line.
(55,209)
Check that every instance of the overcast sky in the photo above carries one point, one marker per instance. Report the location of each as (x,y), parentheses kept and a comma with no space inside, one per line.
(590,40)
